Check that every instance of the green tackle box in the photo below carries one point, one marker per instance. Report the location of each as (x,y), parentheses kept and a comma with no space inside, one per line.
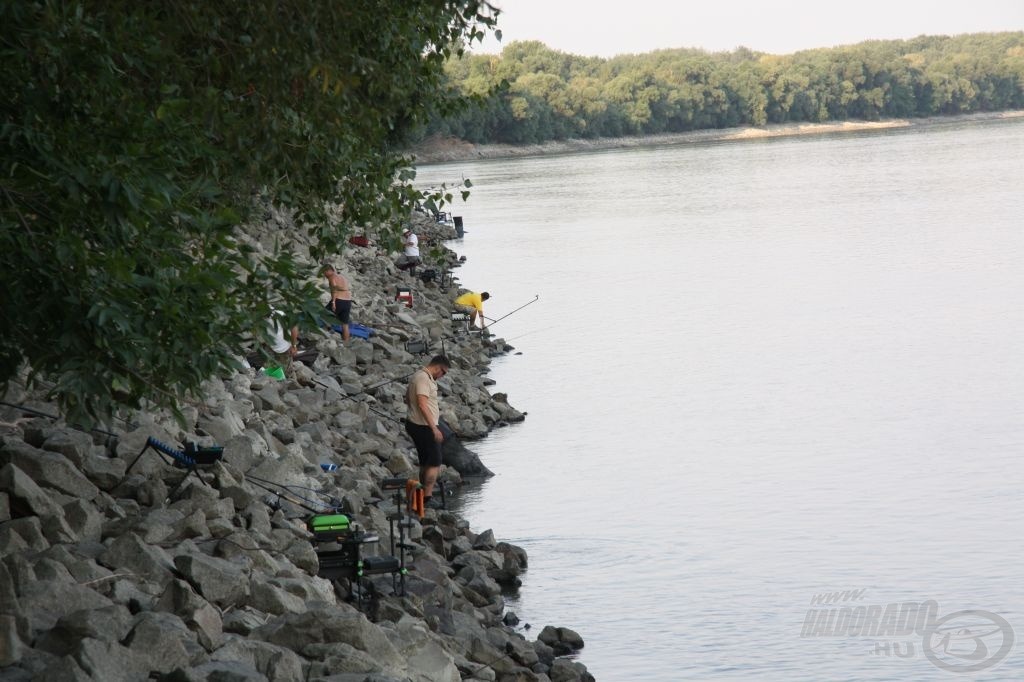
(329,527)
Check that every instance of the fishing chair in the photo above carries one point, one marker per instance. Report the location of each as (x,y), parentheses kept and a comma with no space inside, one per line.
(460,322)
(339,553)
(193,458)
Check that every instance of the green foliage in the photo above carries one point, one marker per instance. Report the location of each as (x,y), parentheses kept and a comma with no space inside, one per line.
(551,95)
(136,137)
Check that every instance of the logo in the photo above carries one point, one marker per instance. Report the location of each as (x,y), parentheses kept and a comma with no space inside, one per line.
(968,641)
(959,642)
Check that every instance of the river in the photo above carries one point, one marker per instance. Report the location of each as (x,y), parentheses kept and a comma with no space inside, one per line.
(768,382)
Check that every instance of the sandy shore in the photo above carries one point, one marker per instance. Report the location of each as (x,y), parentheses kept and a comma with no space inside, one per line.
(438,149)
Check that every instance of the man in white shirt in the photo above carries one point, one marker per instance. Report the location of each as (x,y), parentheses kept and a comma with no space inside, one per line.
(283,349)
(410,257)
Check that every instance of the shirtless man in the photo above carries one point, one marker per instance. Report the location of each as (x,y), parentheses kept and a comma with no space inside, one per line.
(341,298)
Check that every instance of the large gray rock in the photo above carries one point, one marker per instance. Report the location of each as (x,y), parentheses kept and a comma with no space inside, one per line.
(161,641)
(48,469)
(324,623)
(482,651)
(473,573)
(8,592)
(129,552)
(219,671)
(199,615)
(245,546)
(270,598)
(26,498)
(562,640)
(317,431)
(224,426)
(57,531)
(515,647)
(11,646)
(64,669)
(463,460)
(340,662)
(108,624)
(565,670)
(105,472)
(244,620)
(77,446)
(217,580)
(18,535)
(84,520)
(427,659)
(485,540)
(77,560)
(158,525)
(44,602)
(276,662)
(243,450)
(303,555)
(48,569)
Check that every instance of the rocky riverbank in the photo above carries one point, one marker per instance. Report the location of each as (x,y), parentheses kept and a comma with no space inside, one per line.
(441,149)
(113,571)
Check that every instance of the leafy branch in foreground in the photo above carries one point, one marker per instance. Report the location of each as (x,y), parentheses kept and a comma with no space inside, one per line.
(136,137)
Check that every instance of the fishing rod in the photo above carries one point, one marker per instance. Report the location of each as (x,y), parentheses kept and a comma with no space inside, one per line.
(535,331)
(368,406)
(534,300)
(56,417)
(291,488)
(282,496)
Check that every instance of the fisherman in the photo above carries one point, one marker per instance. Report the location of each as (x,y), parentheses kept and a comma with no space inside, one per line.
(472,304)
(284,350)
(341,298)
(422,422)
(410,257)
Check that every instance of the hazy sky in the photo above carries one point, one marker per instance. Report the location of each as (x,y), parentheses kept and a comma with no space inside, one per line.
(606,28)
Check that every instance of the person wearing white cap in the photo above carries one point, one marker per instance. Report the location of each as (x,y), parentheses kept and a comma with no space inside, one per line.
(410,257)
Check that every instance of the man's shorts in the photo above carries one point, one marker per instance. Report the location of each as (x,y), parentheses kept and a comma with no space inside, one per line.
(428,449)
(342,310)
(468,309)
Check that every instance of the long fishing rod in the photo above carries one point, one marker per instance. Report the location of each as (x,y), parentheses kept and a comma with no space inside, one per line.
(368,406)
(334,503)
(57,417)
(494,322)
(282,496)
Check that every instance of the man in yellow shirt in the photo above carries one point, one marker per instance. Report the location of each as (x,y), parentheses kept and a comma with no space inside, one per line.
(422,420)
(472,304)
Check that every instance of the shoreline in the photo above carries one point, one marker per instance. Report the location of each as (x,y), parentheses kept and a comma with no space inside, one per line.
(114,566)
(442,150)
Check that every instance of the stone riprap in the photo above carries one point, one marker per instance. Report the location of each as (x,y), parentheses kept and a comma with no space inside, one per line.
(102,577)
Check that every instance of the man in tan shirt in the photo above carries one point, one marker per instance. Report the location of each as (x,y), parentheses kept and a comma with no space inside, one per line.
(422,417)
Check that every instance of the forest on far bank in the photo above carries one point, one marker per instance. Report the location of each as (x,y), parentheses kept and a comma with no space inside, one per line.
(531,93)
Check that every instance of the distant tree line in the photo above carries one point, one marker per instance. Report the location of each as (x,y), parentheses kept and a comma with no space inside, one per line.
(531,93)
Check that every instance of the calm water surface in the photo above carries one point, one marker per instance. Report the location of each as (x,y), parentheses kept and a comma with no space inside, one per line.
(758,372)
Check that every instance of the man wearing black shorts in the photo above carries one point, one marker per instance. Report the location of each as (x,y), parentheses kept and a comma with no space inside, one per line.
(422,417)
(341,298)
